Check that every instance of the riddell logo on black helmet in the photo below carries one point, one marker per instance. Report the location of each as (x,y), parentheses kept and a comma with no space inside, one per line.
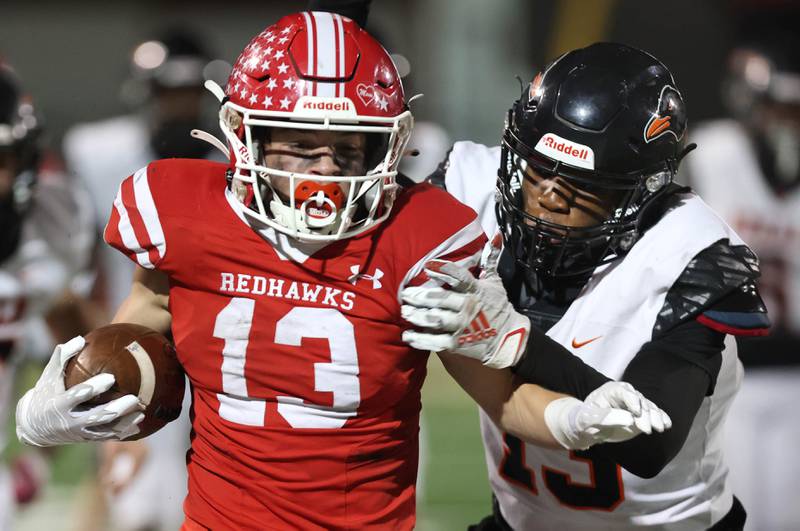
(566,151)
(669,118)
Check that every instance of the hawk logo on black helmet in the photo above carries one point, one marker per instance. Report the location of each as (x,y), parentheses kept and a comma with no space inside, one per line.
(669,118)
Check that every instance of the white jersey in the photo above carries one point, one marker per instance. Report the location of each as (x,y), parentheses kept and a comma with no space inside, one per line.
(539,488)
(103,154)
(726,172)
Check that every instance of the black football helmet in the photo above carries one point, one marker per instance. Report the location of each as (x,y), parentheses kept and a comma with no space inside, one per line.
(607,117)
(19,158)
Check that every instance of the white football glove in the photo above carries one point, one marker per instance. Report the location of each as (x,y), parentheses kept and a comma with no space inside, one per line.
(49,415)
(614,412)
(474,318)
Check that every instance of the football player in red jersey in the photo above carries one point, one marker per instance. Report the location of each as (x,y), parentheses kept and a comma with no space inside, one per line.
(279,275)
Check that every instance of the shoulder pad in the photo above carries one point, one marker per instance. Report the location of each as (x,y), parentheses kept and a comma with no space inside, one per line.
(740,313)
(437,177)
(719,280)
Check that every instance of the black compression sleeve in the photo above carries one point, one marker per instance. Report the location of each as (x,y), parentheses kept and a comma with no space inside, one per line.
(676,372)
(358,10)
(551,365)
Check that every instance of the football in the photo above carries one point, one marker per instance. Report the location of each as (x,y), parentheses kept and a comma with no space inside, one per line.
(144,363)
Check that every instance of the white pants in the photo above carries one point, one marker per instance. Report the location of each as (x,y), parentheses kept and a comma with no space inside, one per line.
(761,445)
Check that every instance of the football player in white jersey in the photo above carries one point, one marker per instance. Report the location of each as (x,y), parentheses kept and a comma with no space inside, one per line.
(748,169)
(46,235)
(615,264)
(166,85)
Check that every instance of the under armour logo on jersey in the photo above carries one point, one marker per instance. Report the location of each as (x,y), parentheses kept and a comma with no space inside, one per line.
(375,278)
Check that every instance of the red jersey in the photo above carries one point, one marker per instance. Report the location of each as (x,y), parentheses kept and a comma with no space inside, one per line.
(305,399)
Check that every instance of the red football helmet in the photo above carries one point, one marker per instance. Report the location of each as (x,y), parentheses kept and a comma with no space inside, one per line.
(315,71)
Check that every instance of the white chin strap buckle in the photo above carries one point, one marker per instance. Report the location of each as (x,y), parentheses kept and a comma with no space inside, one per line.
(318,210)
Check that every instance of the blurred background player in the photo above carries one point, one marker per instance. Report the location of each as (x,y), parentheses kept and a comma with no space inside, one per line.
(165,88)
(144,481)
(46,234)
(747,168)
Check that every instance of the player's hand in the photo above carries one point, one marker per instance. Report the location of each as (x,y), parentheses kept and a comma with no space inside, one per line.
(614,412)
(48,415)
(120,462)
(473,318)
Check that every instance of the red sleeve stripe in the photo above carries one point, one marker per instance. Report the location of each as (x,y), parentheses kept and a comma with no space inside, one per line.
(138,226)
(464,247)
(732,330)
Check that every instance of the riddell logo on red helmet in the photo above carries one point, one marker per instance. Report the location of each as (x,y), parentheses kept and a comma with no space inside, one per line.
(566,151)
(342,105)
(332,106)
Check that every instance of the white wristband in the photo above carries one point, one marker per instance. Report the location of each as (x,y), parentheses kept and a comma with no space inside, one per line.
(559,415)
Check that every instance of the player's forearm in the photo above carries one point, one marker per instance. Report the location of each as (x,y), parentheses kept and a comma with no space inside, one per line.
(522,415)
(147,303)
(647,456)
(513,406)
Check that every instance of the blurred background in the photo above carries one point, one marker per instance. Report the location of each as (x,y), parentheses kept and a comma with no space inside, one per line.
(465,56)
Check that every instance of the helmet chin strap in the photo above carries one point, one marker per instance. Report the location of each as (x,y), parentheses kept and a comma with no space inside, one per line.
(211,139)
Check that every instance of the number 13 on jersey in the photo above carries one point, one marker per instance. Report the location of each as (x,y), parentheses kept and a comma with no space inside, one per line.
(339,376)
